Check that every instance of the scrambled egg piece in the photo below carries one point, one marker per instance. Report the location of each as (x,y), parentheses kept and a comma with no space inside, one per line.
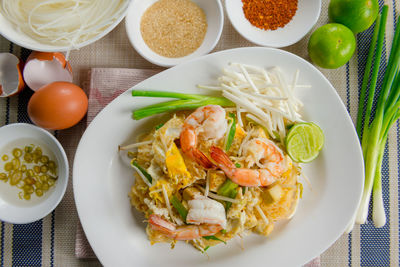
(176,167)
(156,192)
(239,133)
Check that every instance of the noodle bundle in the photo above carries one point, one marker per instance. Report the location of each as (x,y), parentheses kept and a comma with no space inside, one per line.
(62,22)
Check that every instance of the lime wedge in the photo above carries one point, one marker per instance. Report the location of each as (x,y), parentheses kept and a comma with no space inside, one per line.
(304,141)
(319,137)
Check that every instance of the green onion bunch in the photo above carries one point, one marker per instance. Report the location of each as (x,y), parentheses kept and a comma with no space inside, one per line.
(374,133)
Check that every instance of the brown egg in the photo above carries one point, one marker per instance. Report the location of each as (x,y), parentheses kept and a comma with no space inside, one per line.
(58,105)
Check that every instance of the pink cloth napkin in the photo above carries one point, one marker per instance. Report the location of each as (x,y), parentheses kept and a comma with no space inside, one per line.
(106,84)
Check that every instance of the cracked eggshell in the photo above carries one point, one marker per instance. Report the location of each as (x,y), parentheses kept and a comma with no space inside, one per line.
(11,81)
(43,68)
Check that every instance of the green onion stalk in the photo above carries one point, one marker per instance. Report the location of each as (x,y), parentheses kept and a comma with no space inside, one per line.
(374,134)
(183,212)
(185,102)
(228,189)
(213,237)
(231,132)
(142,170)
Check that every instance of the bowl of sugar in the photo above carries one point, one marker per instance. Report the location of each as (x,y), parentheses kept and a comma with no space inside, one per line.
(169,32)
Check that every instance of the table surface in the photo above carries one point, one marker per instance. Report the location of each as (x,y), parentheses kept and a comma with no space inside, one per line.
(51,241)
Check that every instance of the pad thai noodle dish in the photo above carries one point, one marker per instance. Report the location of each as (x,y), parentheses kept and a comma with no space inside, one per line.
(222,166)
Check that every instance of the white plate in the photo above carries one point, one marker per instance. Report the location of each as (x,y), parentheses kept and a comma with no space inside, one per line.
(306,16)
(102,182)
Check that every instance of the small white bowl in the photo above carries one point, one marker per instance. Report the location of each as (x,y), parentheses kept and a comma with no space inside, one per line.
(306,16)
(23,211)
(215,20)
(10,32)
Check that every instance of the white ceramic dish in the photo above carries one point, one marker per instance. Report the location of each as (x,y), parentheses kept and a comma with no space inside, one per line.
(306,16)
(22,211)
(102,181)
(215,20)
(10,32)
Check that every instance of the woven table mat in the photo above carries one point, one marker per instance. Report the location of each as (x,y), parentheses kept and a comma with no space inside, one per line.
(51,241)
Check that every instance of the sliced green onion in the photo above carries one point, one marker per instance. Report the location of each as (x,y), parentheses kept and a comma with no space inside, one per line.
(159,126)
(232,131)
(228,189)
(213,237)
(205,249)
(143,171)
(237,165)
(179,207)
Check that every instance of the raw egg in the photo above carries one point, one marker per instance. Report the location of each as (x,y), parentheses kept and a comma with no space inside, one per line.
(58,105)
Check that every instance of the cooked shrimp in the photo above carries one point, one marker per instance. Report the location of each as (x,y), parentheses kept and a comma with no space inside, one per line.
(207,122)
(208,216)
(265,154)
(205,210)
(245,176)
(187,232)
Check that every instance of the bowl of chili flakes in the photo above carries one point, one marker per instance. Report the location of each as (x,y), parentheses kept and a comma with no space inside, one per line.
(273,23)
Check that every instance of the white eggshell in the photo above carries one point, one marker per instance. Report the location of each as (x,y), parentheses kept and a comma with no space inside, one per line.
(39,72)
(10,76)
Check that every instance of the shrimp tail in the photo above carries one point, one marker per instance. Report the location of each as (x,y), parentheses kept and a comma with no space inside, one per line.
(241,176)
(222,159)
(188,140)
(202,159)
(187,232)
(159,224)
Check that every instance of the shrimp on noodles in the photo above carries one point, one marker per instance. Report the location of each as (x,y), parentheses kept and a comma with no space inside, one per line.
(260,151)
(206,215)
(207,122)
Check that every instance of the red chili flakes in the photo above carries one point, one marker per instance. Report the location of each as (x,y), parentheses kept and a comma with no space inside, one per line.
(269,14)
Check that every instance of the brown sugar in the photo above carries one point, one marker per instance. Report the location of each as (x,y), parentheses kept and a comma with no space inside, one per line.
(173,28)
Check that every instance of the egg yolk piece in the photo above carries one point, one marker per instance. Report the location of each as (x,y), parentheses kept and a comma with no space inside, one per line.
(177,170)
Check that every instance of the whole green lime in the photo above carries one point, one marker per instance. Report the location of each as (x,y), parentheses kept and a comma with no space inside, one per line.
(331,45)
(358,15)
